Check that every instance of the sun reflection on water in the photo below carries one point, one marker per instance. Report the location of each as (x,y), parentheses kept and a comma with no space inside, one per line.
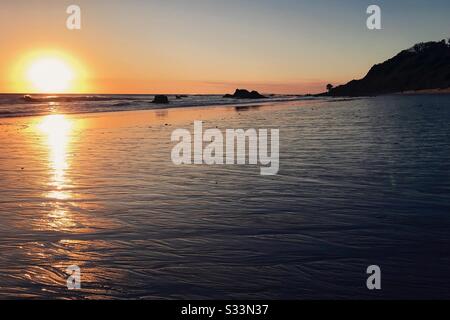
(58,130)
(64,213)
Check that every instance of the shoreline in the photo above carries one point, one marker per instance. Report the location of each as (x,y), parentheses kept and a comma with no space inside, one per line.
(164,117)
(426,91)
(404,93)
(234,104)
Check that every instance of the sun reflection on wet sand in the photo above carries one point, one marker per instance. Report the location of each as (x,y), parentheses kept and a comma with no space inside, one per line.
(66,209)
(60,219)
(65,215)
(98,185)
(58,130)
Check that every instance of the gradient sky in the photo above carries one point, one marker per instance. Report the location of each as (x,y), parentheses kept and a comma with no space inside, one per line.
(212,46)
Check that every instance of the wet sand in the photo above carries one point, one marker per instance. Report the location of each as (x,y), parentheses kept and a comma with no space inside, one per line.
(70,181)
(356,187)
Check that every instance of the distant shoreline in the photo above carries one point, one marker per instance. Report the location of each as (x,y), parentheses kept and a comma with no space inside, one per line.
(404,93)
(425,91)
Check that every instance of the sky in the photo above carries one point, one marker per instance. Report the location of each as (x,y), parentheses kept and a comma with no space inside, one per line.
(211,46)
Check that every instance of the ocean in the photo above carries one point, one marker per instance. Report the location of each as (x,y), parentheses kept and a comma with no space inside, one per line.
(17,105)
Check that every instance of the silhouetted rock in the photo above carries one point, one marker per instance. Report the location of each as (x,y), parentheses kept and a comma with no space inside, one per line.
(422,67)
(161,99)
(244,94)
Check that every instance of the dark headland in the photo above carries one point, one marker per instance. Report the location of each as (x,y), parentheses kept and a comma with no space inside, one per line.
(425,66)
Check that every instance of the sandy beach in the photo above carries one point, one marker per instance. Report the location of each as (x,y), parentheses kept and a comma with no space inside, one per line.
(100,191)
(72,181)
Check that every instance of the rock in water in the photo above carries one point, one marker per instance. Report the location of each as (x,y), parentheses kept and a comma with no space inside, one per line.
(245,94)
(28,98)
(161,99)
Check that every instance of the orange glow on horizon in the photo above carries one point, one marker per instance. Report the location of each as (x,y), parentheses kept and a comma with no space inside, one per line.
(54,71)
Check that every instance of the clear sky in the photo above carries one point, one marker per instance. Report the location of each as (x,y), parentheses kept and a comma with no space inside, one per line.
(212,46)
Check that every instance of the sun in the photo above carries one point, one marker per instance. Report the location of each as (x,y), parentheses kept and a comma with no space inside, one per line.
(50,71)
(50,75)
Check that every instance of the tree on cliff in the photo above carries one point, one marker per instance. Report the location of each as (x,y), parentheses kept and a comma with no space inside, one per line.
(329,87)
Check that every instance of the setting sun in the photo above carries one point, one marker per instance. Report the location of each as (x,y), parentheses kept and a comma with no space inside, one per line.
(50,75)
(50,71)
